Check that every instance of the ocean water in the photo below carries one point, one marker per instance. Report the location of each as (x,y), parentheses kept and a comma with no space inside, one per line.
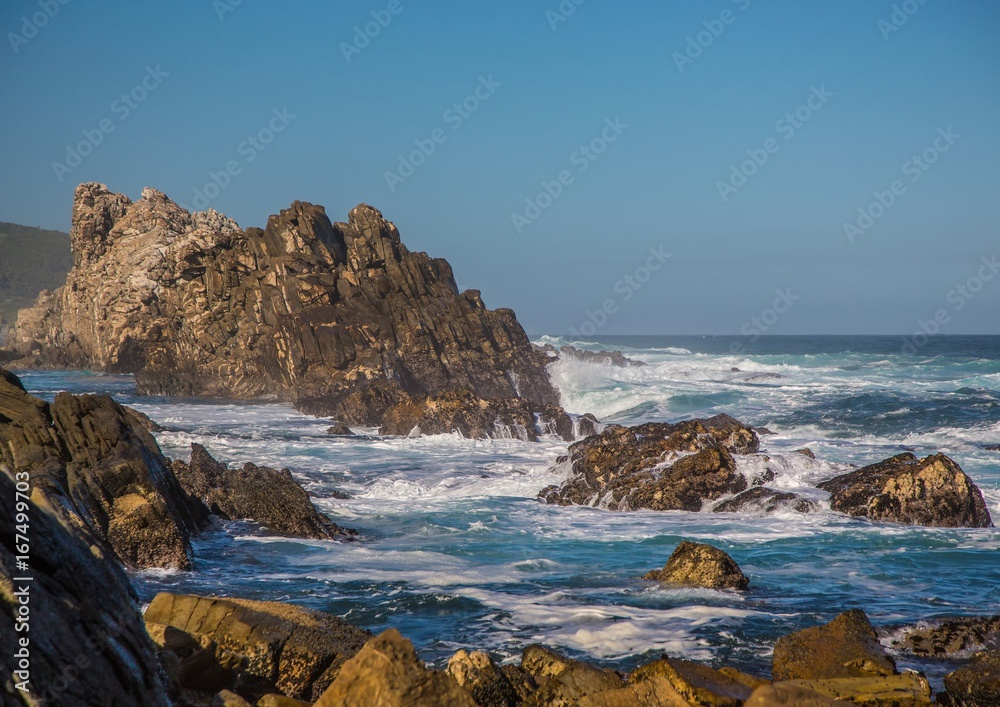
(457,553)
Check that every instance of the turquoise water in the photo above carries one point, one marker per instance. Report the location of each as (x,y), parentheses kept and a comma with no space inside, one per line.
(457,553)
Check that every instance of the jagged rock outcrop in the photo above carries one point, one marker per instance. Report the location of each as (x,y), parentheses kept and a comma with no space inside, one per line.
(258,493)
(699,684)
(252,647)
(638,467)
(387,671)
(562,681)
(90,456)
(339,318)
(933,491)
(86,643)
(484,680)
(701,565)
(846,647)
(949,638)
(500,418)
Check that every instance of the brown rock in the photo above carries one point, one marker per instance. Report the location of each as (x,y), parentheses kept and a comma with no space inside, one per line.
(228,698)
(285,648)
(654,692)
(273,700)
(806,452)
(86,635)
(949,638)
(699,684)
(607,358)
(976,684)
(267,496)
(701,565)
(630,468)
(88,454)
(933,491)
(387,672)
(787,694)
(846,647)
(906,690)
(340,319)
(521,680)
(339,429)
(478,674)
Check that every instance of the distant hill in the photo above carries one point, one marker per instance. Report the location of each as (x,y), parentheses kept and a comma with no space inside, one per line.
(31,260)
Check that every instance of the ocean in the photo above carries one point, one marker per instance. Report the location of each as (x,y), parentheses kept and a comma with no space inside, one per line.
(457,553)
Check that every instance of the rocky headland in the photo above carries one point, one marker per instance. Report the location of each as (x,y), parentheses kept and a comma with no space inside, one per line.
(340,319)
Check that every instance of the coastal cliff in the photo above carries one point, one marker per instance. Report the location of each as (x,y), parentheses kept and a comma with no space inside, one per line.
(338,318)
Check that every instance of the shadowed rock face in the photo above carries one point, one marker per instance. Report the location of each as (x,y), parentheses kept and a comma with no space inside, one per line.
(90,456)
(630,468)
(258,493)
(933,491)
(976,684)
(339,318)
(87,643)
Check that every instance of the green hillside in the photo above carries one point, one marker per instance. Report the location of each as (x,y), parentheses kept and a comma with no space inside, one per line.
(31,260)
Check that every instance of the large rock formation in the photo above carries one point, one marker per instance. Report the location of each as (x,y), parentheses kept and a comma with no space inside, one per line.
(933,491)
(339,318)
(846,647)
(86,644)
(88,455)
(258,493)
(638,467)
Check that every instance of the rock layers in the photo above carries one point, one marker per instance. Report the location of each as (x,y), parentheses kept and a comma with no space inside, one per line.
(339,318)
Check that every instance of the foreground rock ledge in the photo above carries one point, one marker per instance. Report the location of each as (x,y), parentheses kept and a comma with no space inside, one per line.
(339,318)
(933,491)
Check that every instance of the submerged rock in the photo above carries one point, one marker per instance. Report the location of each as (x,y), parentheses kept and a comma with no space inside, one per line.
(933,491)
(258,493)
(339,318)
(950,638)
(387,672)
(638,467)
(258,647)
(976,684)
(88,454)
(609,358)
(339,429)
(761,499)
(846,647)
(87,643)
(701,565)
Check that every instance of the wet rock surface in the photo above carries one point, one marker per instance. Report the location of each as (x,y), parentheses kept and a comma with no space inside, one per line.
(339,318)
(608,358)
(261,494)
(91,456)
(698,564)
(949,637)
(643,468)
(933,491)
(976,684)
(763,500)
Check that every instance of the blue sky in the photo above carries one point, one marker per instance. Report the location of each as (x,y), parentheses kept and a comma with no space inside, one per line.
(671,118)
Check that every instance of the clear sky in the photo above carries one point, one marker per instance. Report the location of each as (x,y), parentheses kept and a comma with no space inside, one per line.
(326,101)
